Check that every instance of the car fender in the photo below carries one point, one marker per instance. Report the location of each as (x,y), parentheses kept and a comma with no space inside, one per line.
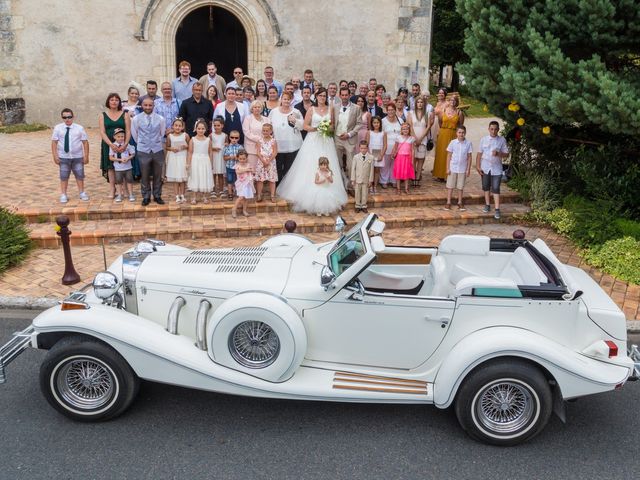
(575,374)
(265,307)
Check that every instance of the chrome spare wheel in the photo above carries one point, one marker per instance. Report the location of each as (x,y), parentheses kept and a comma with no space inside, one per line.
(505,407)
(254,344)
(86,383)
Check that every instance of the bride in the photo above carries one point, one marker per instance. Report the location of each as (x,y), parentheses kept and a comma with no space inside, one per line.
(300,185)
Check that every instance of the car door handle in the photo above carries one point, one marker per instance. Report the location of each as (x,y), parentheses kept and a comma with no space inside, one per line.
(444,321)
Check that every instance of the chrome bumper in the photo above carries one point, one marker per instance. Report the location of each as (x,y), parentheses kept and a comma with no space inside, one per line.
(13,348)
(634,354)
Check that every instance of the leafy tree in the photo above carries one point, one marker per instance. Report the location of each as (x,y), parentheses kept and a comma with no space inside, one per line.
(448,35)
(567,72)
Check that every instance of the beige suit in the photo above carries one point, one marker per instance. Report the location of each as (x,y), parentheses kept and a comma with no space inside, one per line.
(220,84)
(351,127)
(362,176)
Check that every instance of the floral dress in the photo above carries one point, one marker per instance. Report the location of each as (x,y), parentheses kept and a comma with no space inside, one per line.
(270,172)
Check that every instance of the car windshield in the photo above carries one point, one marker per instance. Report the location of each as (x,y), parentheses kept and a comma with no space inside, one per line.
(346,252)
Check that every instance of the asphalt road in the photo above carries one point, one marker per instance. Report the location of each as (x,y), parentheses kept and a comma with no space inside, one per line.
(176,433)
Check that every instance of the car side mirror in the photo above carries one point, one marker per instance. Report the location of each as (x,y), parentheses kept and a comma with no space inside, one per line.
(327,277)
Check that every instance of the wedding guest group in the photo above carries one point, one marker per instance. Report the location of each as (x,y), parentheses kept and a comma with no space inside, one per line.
(294,137)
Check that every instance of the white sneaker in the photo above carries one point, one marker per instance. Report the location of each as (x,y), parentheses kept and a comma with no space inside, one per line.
(84,197)
(132,198)
(64,198)
(118,198)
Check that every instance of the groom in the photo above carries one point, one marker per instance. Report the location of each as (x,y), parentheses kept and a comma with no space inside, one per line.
(348,120)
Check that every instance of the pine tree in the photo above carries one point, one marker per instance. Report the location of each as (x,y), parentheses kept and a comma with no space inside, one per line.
(567,71)
(569,62)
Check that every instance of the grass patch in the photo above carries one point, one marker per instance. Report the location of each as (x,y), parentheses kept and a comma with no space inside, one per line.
(474,108)
(23,127)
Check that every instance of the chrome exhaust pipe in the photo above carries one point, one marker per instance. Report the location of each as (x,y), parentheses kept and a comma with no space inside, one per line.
(201,324)
(174,312)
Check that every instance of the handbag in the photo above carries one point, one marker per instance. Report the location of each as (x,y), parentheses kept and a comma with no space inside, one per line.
(430,143)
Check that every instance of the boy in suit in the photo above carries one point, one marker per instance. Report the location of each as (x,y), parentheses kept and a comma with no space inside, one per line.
(362,175)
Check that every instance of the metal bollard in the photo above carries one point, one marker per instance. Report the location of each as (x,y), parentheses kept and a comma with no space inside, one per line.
(70,275)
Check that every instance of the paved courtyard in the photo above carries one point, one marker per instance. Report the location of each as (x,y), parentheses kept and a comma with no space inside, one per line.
(31,188)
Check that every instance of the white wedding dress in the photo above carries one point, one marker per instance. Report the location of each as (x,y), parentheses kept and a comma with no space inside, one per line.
(299,187)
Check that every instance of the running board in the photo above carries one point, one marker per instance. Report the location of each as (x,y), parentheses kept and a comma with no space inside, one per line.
(374,383)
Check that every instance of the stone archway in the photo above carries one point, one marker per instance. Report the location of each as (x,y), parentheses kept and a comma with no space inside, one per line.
(162,18)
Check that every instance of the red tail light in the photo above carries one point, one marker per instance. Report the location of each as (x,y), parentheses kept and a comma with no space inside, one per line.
(613,348)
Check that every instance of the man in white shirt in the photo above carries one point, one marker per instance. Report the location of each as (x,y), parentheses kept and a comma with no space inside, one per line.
(70,150)
(491,151)
(458,166)
(332,94)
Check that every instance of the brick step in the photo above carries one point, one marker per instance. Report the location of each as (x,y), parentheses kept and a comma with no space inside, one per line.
(107,210)
(93,232)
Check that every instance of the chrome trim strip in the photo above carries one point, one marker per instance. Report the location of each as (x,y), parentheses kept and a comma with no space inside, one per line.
(634,354)
(174,313)
(14,347)
(201,324)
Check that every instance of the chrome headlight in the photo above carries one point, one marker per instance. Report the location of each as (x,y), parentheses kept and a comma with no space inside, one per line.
(105,285)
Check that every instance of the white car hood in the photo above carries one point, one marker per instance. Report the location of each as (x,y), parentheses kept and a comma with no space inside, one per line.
(227,269)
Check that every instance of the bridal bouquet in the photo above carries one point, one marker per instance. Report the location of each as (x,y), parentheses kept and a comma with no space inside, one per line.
(324,128)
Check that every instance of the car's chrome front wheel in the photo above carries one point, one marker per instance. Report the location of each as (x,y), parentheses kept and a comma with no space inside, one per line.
(87,380)
(504,402)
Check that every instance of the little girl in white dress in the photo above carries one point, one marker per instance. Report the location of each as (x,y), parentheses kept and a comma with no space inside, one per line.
(199,163)
(321,195)
(218,139)
(177,146)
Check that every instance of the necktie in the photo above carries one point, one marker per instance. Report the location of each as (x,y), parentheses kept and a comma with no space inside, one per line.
(66,141)
(363,158)
(344,109)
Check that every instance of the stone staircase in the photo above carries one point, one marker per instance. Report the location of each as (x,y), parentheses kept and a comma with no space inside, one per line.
(98,221)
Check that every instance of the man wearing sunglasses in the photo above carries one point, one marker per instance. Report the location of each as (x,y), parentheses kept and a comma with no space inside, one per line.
(70,150)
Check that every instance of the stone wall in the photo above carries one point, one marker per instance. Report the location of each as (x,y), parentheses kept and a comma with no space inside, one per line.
(12,105)
(74,56)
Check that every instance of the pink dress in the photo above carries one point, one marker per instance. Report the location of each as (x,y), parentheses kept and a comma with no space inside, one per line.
(403,166)
(270,172)
(244,184)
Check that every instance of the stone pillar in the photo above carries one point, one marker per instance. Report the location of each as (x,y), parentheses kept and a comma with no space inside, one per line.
(12,106)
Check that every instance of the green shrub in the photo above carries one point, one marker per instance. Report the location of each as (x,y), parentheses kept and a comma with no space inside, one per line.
(594,220)
(14,239)
(560,219)
(628,228)
(619,257)
(609,172)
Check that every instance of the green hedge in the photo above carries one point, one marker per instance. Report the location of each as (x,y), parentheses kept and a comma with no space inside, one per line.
(14,239)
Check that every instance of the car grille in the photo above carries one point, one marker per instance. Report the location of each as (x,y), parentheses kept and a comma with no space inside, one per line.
(232,260)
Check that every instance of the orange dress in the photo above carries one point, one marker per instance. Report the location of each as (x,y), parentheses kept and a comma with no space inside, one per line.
(445,135)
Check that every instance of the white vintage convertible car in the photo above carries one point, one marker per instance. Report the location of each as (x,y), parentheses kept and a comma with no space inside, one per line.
(497,328)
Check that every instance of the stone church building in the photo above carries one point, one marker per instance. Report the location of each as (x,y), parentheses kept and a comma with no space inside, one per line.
(58,53)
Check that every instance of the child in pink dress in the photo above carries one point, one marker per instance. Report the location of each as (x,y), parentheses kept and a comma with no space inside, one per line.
(244,183)
(403,153)
(266,170)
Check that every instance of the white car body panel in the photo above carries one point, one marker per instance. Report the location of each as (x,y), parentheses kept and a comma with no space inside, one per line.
(360,345)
